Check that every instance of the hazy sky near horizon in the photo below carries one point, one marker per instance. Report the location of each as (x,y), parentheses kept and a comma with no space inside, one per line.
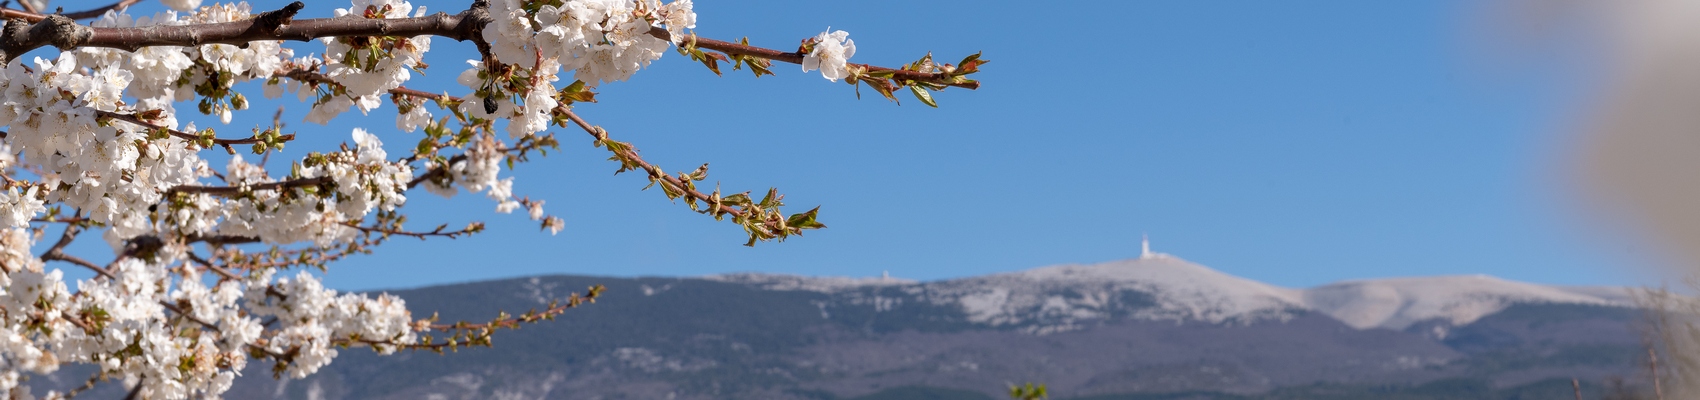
(1295,143)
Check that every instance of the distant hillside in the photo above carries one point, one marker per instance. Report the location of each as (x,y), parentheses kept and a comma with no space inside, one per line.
(1152,328)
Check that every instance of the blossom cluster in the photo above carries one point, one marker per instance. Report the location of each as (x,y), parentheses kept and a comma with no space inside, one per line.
(368,67)
(98,131)
(95,141)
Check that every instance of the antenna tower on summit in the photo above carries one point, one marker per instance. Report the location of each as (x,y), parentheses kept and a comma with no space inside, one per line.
(1145,247)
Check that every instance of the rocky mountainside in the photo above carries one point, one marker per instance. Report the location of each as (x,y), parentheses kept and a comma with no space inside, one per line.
(1157,327)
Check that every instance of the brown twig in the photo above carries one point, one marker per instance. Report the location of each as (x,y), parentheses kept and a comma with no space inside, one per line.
(98,376)
(470,229)
(214,268)
(57,252)
(235,190)
(572,302)
(653,171)
(465,334)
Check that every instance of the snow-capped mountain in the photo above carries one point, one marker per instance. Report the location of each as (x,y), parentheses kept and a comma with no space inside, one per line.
(1153,327)
(1164,287)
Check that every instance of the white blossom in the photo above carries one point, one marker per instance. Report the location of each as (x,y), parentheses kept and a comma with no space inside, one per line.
(831,54)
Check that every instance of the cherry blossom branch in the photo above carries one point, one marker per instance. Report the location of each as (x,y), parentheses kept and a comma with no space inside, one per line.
(797,58)
(465,334)
(213,327)
(761,220)
(64,33)
(596,132)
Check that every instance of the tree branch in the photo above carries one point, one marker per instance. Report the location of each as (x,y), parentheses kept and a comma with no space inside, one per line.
(280,25)
(57,252)
(62,31)
(235,190)
(221,239)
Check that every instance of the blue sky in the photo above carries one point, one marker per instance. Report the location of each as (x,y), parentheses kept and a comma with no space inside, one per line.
(1296,143)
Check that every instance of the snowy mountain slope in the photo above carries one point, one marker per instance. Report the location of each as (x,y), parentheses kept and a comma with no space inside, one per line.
(1167,288)
(1397,303)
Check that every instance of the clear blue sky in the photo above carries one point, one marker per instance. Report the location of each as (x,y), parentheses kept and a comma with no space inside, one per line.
(1296,143)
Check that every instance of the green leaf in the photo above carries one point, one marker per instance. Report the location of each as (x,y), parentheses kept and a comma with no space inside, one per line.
(923,95)
(805,220)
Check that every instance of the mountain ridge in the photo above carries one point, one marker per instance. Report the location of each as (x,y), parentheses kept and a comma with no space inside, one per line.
(1188,291)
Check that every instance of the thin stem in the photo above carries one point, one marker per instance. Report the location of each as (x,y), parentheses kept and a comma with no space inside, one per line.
(98,376)
(421,235)
(132,118)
